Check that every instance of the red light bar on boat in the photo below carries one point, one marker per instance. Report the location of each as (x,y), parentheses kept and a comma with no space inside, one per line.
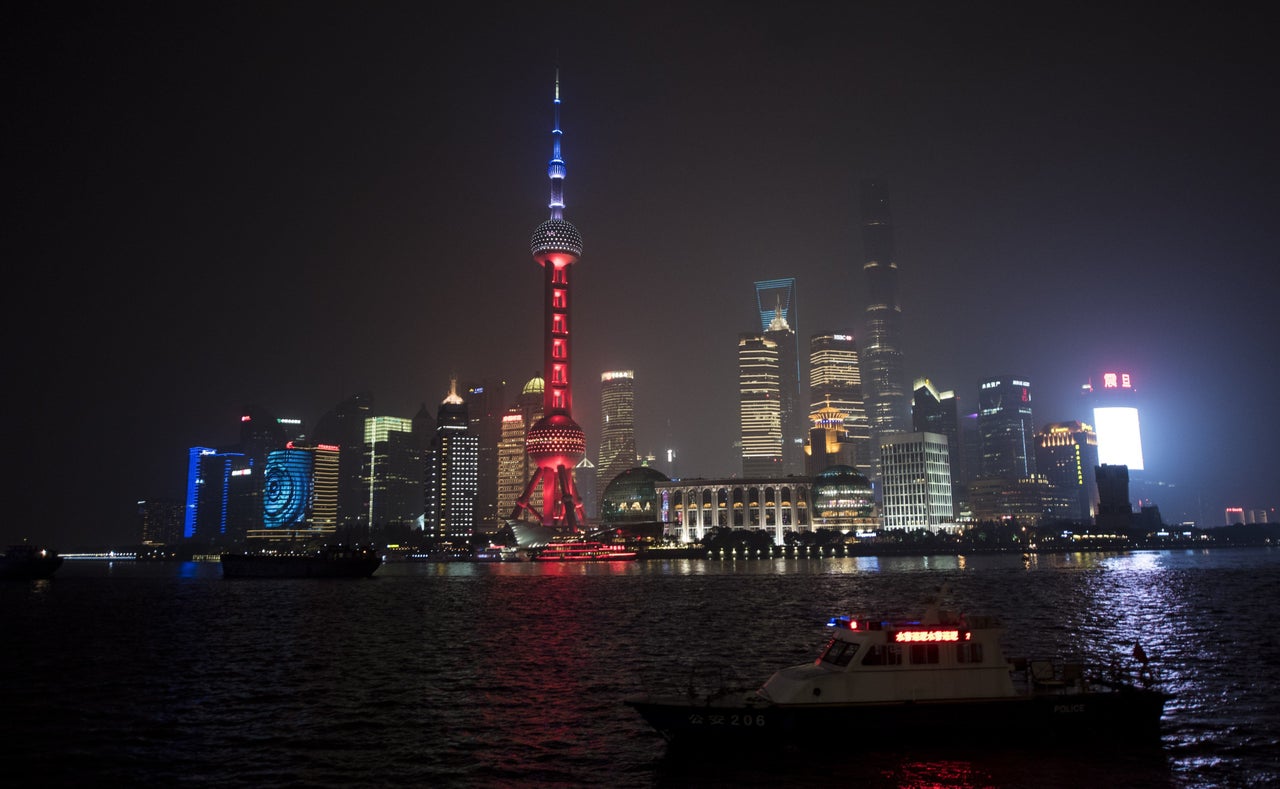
(909,636)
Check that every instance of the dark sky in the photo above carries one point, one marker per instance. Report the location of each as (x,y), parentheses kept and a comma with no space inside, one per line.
(217,204)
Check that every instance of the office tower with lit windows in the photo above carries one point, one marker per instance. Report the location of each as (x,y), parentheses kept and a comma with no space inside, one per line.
(617,427)
(1006,429)
(515,467)
(160,521)
(759,411)
(343,427)
(453,473)
(587,480)
(394,473)
(486,405)
(835,381)
(1113,400)
(1066,455)
(556,442)
(300,493)
(884,382)
(917,482)
(776,300)
(938,412)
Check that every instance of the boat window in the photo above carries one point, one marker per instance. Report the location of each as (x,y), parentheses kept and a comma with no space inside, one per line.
(883,655)
(924,653)
(839,652)
(969,652)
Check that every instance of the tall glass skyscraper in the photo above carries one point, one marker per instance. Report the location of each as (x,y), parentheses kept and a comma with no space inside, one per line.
(1006,427)
(776,301)
(454,476)
(883,377)
(617,427)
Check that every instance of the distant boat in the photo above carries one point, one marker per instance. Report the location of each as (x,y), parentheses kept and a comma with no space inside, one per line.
(582,551)
(27,562)
(328,562)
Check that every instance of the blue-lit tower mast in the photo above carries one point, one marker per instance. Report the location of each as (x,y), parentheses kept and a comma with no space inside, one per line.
(555,442)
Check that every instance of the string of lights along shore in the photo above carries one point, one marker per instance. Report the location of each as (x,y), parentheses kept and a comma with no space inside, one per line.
(555,442)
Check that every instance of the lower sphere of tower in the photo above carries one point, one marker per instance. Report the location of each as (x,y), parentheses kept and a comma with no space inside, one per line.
(556,436)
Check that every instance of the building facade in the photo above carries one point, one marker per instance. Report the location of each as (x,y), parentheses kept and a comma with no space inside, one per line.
(835,381)
(394,475)
(883,377)
(693,507)
(617,429)
(1006,429)
(916,492)
(515,467)
(1066,454)
(1113,403)
(759,406)
(453,475)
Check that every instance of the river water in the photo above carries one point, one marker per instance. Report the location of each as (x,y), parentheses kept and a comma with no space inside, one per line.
(142,674)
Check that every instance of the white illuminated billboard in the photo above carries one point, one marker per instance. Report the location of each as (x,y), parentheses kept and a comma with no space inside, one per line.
(1119,442)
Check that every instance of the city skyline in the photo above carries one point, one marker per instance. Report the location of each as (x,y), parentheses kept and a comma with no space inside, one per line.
(280,207)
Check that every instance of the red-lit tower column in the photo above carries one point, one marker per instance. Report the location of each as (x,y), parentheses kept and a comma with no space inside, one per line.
(556,442)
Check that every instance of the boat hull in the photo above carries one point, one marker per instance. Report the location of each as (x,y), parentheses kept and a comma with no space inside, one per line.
(250,566)
(30,569)
(1130,715)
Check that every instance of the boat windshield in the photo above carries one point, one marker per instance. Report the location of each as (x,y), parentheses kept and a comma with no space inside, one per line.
(838,652)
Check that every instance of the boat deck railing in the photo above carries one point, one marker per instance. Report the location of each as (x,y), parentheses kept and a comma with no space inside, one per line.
(1040,675)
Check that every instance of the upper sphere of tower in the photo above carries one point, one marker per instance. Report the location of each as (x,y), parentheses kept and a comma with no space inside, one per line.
(556,235)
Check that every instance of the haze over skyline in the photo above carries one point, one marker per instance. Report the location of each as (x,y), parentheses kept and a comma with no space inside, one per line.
(285,204)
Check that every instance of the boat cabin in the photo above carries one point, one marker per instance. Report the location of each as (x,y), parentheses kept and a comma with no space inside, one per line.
(940,656)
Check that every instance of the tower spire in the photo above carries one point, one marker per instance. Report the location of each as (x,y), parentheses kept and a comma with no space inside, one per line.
(555,167)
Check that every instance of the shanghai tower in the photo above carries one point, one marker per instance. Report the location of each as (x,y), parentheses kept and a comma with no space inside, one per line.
(883,378)
(555,442)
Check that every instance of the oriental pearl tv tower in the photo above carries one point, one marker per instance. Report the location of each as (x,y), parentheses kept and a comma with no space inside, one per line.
(555,442)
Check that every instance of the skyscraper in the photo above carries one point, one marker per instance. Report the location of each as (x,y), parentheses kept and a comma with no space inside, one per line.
(1115,416)
(394,472)
(938,412)
(486,405)
(1004,422)
(617,428)
(556,442)
(776,302)
(1066,454)
(883,377)
(759,411)
(453,477)
(343,427)
(515,467)
(835,381)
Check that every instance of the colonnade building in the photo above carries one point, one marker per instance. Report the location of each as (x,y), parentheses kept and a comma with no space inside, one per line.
(693,507)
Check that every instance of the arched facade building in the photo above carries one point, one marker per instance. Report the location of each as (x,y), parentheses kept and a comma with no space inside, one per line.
(693,507)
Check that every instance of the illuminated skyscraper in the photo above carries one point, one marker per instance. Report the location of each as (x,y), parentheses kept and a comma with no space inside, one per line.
(760,415)
(883,379)
(515,467)
(486,402)
(1066,454)
(343,427)
(835,381)
(617,428)
(1115,416)
(160,521)
(394,472)
(453,476)
(776,301)
(556,442)
(1007,432)
(938,412)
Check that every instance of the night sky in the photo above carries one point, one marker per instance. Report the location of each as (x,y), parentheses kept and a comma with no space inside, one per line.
(221,204)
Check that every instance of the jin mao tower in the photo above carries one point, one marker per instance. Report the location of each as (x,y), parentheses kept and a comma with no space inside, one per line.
(555,442)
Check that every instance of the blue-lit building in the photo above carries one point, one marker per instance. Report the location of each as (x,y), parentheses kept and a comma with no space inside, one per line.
(220,494)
